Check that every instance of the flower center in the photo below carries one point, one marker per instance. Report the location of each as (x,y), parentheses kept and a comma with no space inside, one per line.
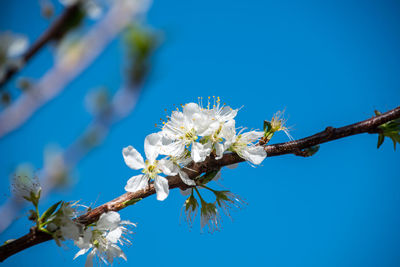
(151,169)
(189,136)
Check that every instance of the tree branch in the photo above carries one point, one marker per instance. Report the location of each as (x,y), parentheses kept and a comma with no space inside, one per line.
(195,169)
(51,33)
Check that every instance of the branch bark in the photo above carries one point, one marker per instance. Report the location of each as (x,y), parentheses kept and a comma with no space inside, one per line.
(35,237)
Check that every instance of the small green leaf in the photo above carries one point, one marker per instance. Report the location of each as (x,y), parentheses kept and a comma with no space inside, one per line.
(131,202)
(389,129)
(45,231)
(381,138)
(49,212)
(267,126)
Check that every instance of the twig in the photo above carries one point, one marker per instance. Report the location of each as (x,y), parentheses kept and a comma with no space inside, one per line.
(367,126)
(51,33)
(330,133)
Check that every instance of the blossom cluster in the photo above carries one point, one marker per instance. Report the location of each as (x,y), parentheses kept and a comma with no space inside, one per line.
(190,135)
(101,239)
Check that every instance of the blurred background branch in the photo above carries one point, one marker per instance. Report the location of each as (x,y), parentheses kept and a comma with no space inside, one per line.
(139,43)
(71,63)
(55,31)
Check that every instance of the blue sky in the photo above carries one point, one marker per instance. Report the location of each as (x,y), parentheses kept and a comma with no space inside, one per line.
(329,63)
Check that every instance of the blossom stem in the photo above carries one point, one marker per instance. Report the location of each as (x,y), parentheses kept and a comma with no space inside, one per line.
(198,193)
(206,187)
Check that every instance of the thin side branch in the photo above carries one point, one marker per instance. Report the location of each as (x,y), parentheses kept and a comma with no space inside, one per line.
(51,33)
(367,126)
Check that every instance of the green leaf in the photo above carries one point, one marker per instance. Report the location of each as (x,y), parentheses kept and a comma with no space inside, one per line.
(267,126)
(49,212)
(390,129)
(381,138)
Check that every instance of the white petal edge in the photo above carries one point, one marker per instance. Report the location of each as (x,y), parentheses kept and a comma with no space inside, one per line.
(162,187)
(254,154)
(185,178)
(219,150)
(81,252)
(133,158)
(109,221)
(167,167)
(152,144)
(136,183)
(89,259)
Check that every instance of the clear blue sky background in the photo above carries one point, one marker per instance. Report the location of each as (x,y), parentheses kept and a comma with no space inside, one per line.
(329,63)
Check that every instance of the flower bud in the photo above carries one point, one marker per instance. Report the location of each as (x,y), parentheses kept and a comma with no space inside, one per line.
(26,185)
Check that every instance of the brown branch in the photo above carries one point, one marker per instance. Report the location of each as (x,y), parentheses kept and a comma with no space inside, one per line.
(367,126)
(53,32)
(330,134)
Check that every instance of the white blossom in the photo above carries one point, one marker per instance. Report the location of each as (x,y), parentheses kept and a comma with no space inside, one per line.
(243,145)
(151,168)
(182,132)
(102,240)
(62,224)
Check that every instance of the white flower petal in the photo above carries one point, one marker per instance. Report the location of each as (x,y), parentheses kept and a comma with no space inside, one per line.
(219,150)
(108,221)
(185,178)
(190,110)
(162,188)
(89,259)
(167,167)
(174,149)
(133,158)
(152,145)
(227,113)
(228,130)
(254,154)
(84,242)
(114,235)
(136,183)
(207,128)
(81,252)
(200,152)
(114,252)
(252,136)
